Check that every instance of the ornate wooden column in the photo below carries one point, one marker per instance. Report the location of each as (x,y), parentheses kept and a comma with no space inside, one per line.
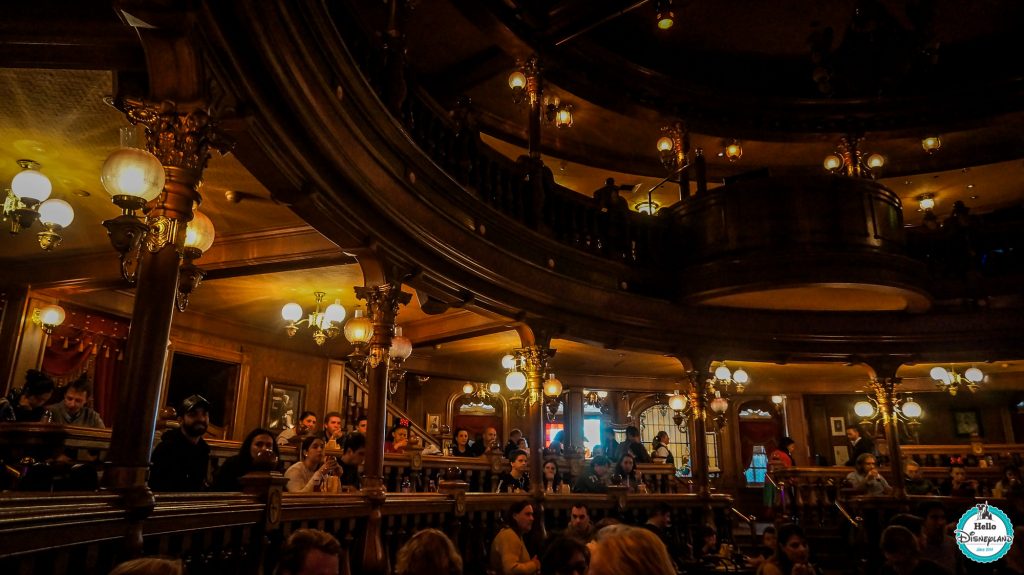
(884,383)
(699,464)
(180,138)
(533,360)
(382,303)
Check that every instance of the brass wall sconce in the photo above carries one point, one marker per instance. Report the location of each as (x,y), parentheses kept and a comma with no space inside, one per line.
(48,317)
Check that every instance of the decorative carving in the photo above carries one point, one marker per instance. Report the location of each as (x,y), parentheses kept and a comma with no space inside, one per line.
(162,231)
(178,138)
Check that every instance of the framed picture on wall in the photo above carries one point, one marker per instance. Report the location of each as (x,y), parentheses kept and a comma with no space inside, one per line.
(841,453)
(283,402)
(967,422)
(433,425)
(838,426)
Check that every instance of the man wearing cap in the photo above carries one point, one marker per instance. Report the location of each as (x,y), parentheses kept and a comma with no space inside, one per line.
(182,457)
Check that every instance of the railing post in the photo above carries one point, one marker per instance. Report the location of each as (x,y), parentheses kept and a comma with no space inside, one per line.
(382,303)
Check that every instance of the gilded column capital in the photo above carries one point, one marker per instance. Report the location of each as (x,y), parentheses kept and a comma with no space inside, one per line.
(180,137)
(382,303)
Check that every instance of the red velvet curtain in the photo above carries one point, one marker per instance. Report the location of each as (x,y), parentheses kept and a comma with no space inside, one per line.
(757,433)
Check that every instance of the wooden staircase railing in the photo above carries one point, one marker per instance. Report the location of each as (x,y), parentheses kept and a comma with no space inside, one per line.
(356,396)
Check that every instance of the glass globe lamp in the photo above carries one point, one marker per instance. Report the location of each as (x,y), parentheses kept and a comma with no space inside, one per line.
(401,346)
(677,402)
(552,387)
(974,375)
(911,408)
(515,381)
(51,316)
(468,388)
(359,329)
(335,313)
(30,185)
(508,361)
(198,235)
(291,312)
(863,409)
(132,177)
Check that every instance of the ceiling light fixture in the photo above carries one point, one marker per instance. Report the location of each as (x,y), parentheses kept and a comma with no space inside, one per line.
(925,202)
(952,381)
(29,200)
(649,207)
(931,144)
(733,151)
(325,323)
(849,158)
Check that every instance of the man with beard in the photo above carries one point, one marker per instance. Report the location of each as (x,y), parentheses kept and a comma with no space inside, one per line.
(182,457)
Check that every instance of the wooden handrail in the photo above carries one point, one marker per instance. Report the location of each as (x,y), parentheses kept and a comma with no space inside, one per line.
(393,409)
(856,522)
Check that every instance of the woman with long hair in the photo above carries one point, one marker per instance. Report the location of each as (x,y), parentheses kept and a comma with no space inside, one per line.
(428,552)
(235,467)
(303,475)
(552,478)
(631,550)
(792,555)
(461,447)
(626,470)
(508,551)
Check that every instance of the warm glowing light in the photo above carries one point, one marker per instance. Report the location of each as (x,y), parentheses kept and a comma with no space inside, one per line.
(833,162)
(51,316)
(677,402)
(722,372)
(468,388)
(359,329)
(734,151)
(648,207)
(876,161)
(940,374)
(974,375)
(863,409)
(602,394)
(133,172)
(563,118)
(552,387)
(200,233)
(515,381)
(665,144)
(291,312)
(911,408)
(926,202)
(335,313)
(508,361)
(778,399)
(401,346)
(931,144)
(719,405)
(31,186)
(55,212)
(494,388)
(517,80)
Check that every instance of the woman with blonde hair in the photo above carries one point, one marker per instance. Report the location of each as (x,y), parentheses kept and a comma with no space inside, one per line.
(149,566)
(630,550)
(429,552)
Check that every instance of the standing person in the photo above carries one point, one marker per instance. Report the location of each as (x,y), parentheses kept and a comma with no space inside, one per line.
(303,475)
(181,459)
(557,446)
(461,446)
(73,411)
(634,445)
(236,466)
(631,551)
(552,478)
(27,404)
(792,555)
(659,448)
(306,425)
(783,455)
(309,552)
(508,551)
(859,445)
(332,428)
(428,552)
(517,479)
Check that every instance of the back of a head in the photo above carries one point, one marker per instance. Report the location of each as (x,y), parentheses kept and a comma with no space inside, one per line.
(559,554)
(37,383)
(428,552)
(897,539)
(632,550)
(353,442)
(149,566)
(298,546)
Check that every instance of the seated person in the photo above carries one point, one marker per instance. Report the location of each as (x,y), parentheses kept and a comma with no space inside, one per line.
(304,475)
(182,458)
(332,430)
(917,485)
(353,453)
(595,480)
(659,520)
(72,411)
(866,479)
(1010,482)
(903,554)
(792,554)
(295,435)
(580,525)
(957,485)
(552,478)
(236,466)
(708,542)
(509,555)
(523,445)
(517,479)
(565,556)
(309,551)
(27,404)
(761,553)
(399,440)
(513,442)
(461,446)
(627,475)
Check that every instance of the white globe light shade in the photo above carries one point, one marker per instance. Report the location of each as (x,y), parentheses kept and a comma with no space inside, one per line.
(517,80)
(677,402)
(56,212)
(291,312)
(833,162)
(494,388)
(468,388)
(719,405)
(938,373)
(552,387)
(359,329)
(974,375)
(863,409)
(722,372)
(665,144)
(335,313)
(911,409)
(401,347)
(199,234)
(508,361)
(52,315)
(31,185)
(876,161)
(515,381)
(133,172)
(740,376)
(778,399)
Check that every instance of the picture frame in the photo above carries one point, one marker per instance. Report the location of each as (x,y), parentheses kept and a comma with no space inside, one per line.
(967,423)
(433,424)
(283,402)
(841,453)
(838,427)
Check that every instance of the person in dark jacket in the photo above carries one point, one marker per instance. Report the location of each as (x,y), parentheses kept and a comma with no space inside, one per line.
(858,444)
(27,404)
(181,459)
(236,466)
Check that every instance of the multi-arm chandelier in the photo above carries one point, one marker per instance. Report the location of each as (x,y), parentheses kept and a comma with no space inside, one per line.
(27,201)
(325,323)
(950,380)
